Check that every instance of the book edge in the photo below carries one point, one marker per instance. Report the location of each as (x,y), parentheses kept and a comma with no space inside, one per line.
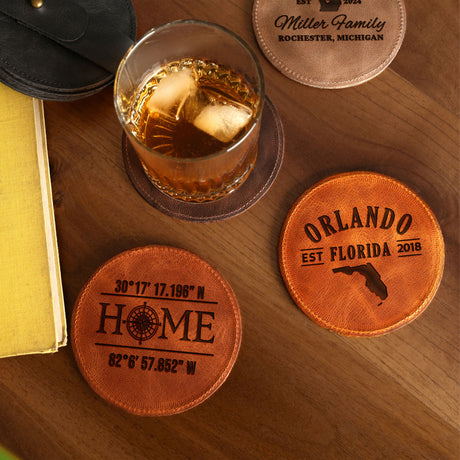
(50,228)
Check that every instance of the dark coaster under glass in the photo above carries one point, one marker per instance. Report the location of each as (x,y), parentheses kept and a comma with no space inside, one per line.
(268,163)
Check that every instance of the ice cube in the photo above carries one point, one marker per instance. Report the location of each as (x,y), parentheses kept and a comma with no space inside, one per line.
(172,92)
(223,121)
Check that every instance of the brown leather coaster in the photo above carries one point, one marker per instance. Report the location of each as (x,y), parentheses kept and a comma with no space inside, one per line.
(330,43)
(156,330)
(268,163)
(361,254)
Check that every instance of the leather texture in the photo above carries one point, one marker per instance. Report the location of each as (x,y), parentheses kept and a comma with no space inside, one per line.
(268,163)
(330,44)
(156,330)
(63,21)
(66,49)
(361,254)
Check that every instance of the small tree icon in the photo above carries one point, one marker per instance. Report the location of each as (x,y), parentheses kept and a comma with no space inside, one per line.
(330,5)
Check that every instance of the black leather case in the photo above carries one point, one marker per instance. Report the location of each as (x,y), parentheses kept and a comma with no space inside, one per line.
(66,49)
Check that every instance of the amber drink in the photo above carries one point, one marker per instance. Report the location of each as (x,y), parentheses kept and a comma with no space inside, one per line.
(193,114)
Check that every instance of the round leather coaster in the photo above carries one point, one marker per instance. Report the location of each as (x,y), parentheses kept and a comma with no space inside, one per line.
(330,43)
(43,67)
(361,254)
(268,163)
(156,330)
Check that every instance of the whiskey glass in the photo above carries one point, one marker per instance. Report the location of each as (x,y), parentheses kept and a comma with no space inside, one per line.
(213,87)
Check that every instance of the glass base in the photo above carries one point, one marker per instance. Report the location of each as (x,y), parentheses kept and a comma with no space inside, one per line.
(200,197)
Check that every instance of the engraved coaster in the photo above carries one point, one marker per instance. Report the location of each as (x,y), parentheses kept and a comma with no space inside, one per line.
(156,330)
(330,43)
(361,254)
(268,163)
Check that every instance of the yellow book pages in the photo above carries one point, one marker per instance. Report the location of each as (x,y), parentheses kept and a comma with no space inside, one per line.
(32,316)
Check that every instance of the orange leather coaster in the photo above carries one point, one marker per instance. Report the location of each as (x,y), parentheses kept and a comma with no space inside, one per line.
(330,43)
(266,168)
(156,330)
(361,254)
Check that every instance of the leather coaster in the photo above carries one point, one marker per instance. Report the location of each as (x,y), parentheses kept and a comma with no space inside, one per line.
(156,330)
(268,163)
(65,50)
(361,254)
(330,43)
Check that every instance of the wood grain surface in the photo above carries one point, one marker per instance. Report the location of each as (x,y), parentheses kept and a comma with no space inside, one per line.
(297,391)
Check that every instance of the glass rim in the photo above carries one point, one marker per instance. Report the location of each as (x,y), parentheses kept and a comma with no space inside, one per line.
(211,25)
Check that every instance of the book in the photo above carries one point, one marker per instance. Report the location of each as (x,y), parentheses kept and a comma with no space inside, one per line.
(32,313)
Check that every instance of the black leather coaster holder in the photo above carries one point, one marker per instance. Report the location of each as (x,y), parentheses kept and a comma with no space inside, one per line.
(266,168)
(64,49)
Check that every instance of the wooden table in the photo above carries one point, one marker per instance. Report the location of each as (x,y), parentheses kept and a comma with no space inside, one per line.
(297,390)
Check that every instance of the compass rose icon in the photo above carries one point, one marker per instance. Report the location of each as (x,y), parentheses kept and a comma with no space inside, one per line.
(142,323)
